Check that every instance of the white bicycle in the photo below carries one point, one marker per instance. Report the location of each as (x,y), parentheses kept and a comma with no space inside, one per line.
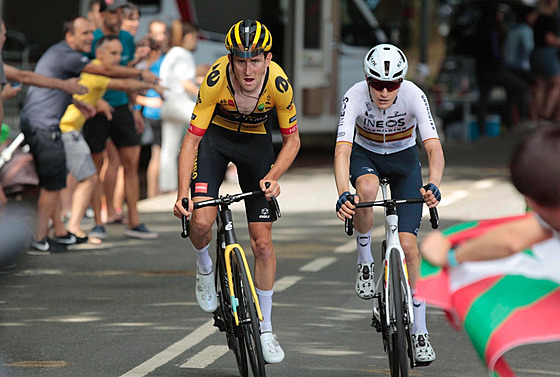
(393,313)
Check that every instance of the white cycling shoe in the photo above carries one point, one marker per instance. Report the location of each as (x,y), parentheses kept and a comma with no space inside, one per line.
(423,352)
(365,286)
(205,291)
(272,351)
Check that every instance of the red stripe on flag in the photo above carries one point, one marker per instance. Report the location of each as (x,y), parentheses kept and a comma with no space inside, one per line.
(482,227)
(465,297)
(537,323)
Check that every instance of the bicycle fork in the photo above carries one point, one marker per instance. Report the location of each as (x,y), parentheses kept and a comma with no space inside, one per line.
(234,300)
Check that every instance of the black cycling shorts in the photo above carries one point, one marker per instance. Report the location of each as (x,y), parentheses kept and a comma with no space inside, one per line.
(405,179)
(48,154)
(253,155)
(121,130)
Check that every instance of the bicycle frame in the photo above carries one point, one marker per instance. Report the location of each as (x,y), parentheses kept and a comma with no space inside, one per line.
(393,245)
(393,308)
(225,226)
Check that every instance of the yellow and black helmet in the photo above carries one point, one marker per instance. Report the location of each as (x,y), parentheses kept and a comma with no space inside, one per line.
(248,38)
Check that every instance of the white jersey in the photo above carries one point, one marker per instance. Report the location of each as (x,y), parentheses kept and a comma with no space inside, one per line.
(385,131)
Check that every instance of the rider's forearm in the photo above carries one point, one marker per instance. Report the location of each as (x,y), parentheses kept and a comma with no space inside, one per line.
(286,156)
(342,168)
(187,156)
(436,162)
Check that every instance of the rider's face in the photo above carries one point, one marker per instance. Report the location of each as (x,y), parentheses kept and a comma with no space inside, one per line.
(385,97)
(250,71)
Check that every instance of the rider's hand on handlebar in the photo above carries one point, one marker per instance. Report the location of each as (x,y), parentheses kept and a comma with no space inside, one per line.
(345,205)
(431,195)
(179,211)
(272,191)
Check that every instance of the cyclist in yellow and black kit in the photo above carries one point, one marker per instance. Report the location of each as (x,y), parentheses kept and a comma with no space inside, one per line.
(231,123)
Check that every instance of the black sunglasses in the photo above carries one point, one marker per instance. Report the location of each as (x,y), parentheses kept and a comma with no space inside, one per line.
(380,85)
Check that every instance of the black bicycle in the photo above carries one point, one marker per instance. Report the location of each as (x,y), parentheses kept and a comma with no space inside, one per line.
(393,313)
(238,313)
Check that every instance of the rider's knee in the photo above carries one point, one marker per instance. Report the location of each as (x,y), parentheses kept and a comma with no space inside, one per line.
(200,226)
(263,249)
(367,190)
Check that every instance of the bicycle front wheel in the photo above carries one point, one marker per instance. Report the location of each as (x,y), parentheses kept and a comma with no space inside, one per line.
(397,350)
(248,318)
(225,311)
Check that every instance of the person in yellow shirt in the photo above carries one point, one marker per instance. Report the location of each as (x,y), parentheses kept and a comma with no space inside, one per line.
(83,174)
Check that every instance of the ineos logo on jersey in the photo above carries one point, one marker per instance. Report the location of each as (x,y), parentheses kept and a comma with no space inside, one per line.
(282,84)
(384,123)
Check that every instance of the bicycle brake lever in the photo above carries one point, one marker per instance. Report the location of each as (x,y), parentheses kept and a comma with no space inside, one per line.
(184,221)
(434,218)
(349,226)
(274,204)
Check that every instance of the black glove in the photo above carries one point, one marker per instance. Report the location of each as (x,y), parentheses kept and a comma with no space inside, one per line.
(433,188)
(345,196)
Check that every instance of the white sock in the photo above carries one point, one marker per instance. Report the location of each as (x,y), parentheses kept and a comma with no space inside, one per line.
(419,308)
(265,301)
(363,242)
(203,260)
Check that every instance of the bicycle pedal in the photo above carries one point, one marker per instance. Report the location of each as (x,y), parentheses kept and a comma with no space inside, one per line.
(376,324)
(219,323)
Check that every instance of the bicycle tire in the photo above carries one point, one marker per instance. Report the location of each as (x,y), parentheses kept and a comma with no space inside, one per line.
(235,344)
(248,318)
(397,350)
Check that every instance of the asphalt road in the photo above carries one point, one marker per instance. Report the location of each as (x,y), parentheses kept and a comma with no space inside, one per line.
(127,307)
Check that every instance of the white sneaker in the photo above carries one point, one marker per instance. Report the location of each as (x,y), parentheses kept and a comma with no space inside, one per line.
(205,291)
(272,352)
(423,352)
(365,286)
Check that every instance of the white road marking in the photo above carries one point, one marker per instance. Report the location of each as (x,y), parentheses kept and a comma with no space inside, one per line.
(532,371)
(348,247)
(202,359)
(483,184)
(453,197)
(168,354)
(285,282)
(317,264)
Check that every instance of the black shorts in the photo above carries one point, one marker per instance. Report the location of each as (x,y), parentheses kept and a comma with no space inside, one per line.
(405,179)
(49,157)
(155,125)
(120,130)
(253,155)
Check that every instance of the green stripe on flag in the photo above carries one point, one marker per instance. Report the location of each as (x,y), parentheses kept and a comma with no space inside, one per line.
(428,270)
(460,227)
(496,305)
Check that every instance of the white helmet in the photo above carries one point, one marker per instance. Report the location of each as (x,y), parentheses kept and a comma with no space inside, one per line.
(385,62)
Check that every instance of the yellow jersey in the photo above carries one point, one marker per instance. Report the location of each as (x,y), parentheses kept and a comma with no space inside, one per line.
(216,103)
(73,119)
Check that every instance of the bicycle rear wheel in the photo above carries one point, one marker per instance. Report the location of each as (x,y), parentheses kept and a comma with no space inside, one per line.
(397,350)
(225,312)
(248,318)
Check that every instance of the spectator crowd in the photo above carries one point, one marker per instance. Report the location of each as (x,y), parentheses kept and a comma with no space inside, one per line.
(94,99)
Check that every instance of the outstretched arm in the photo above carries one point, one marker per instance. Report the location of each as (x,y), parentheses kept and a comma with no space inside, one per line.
(500,242)
(70,86)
